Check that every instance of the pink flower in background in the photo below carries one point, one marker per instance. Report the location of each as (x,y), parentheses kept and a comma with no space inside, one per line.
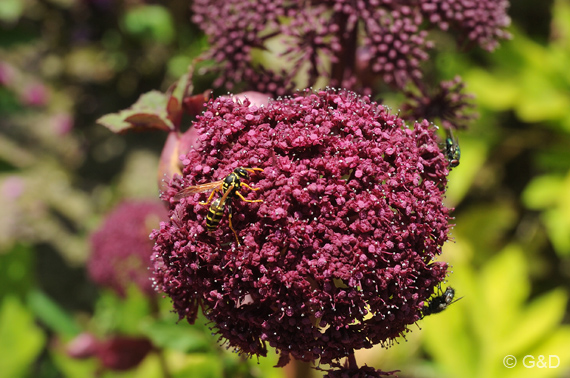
(116,353)
(7,74)
(339,255)
(121,249)
(35,94)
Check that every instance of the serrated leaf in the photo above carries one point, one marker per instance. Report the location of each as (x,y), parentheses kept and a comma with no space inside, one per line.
(149,112)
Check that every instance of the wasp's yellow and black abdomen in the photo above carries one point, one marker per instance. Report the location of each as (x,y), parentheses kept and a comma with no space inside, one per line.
(215,215)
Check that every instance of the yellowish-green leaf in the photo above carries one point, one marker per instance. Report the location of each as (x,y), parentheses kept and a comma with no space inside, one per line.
(21,339)
(540,99)
(473,155)
(493,90)
(541,317)
(542,192)
(71,367)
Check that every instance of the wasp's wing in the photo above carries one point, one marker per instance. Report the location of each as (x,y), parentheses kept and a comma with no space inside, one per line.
(198,189)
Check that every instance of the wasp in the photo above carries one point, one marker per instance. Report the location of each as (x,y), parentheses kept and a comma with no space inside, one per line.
(440,302)
(228,187)
(452,151)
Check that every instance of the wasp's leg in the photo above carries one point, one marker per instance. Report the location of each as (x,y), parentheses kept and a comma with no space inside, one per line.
(209,198)
(254,169)
(231,226)
(245,200)
(249,187)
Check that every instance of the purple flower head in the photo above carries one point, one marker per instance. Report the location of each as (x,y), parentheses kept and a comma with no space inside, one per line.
(322,39)
(397,45)
(478,21)
(340,253)
(236,28)
(121,249)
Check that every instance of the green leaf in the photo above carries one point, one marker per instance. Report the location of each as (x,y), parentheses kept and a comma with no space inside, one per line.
(541,317)
(126,316)
(16,267)
(52,315)
(149,112)
(200,366)
(21,339)
(178,336)
(504,271)
(550,194)
(150,22)
(493,320)
(492,93)
(473,155)
(11,10)
(541,99)
(71,367)
(542,192)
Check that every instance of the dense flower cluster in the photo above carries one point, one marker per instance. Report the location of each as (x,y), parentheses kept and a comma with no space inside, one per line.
(397,45)
(340,253)
(121,249)
(236,28)
(322,38)
(480,21)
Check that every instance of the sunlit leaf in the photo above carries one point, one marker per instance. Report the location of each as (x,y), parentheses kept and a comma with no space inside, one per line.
(473,155)
(200,365)
(21,339)
(549,193)
(492,320)
(149,112)
(72,368)
(541,317)
(542,192)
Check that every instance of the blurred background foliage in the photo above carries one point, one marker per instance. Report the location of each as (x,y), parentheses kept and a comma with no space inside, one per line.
(65,63)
